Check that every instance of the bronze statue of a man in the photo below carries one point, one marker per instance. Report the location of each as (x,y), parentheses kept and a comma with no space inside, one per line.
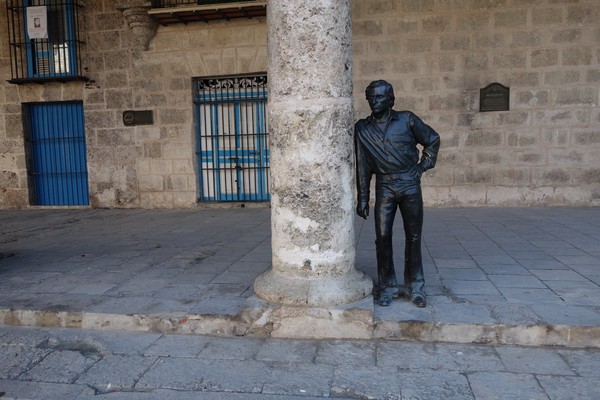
(386,146)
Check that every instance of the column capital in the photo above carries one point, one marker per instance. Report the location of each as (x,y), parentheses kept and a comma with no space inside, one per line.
(140,22)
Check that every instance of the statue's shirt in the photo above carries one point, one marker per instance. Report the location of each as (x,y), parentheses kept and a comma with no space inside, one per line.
(392,150)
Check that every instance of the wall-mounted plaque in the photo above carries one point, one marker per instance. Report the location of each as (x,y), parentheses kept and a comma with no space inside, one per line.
(494,97)
(131,117)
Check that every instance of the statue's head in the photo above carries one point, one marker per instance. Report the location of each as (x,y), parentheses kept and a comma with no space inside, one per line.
(380,95)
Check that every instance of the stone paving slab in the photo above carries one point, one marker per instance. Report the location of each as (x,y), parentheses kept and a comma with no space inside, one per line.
(493,275)
(84,364)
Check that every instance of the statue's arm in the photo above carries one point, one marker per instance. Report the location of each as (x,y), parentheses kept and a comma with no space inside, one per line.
(363,178)
(429,139)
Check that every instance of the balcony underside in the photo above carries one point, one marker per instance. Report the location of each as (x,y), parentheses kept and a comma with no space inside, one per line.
(207,13)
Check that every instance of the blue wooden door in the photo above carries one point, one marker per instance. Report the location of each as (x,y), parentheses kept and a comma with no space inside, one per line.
(57,162)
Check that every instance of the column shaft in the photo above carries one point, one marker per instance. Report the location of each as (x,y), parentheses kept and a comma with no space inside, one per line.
(312,178)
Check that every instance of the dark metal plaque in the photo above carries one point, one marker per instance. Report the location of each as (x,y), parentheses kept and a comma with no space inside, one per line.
(131,117)
(494,97)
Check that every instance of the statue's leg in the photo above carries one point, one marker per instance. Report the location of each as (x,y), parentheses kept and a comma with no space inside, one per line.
(385,212)
(411,208)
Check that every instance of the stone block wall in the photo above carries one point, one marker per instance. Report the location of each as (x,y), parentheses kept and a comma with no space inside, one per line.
(13,169)
(438,54)
(148,166)
(154,166)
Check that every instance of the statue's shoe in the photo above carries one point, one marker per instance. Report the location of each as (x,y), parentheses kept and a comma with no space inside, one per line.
(385,297)
(419,300)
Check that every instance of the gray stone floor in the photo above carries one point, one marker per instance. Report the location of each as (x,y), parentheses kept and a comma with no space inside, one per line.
(51,363)
(485,267)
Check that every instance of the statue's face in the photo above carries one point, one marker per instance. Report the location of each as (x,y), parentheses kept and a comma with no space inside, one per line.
(378,99)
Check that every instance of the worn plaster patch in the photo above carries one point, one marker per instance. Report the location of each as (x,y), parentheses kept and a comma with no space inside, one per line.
(301,223)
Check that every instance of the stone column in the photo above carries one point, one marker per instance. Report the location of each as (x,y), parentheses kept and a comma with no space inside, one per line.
(312,177)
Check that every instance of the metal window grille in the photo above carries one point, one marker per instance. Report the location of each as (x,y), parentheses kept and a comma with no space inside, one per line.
(44,40)
(232,145)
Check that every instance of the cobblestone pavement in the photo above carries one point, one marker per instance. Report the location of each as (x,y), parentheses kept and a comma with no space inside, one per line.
(58,363)
(533,273)
(511,275)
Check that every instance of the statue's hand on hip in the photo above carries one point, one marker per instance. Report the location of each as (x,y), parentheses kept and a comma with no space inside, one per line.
(416,172)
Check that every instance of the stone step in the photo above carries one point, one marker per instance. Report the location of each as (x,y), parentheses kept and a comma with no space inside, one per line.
(353,321)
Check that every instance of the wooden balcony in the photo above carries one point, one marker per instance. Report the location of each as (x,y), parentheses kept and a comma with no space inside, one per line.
(167,12)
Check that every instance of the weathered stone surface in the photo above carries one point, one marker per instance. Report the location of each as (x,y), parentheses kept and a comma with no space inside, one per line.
(312,192)
(486,385)
(354,321)
(532,98)
(544,58)
(510,59)
(548,16)
(309,54)
(477,139)
(16,360)
(72,364)
(510,19)
(116,372)
(577,96)
(369,28)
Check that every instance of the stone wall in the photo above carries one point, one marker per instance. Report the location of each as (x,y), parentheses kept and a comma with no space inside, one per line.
(155,165)
(148,166)
(438,54)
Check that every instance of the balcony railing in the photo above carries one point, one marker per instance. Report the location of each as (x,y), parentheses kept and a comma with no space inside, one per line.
(183,11)
(176,3)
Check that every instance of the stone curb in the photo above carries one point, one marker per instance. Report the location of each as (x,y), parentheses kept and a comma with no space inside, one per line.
(497,334)
(311,323)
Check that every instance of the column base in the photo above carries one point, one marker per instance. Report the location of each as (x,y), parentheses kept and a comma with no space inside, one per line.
(330,291)
(349,321)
